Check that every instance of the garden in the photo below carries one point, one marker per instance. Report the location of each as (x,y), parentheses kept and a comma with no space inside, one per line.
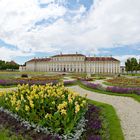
(42,108)
(124,82)
(112,89)
(15,78)
(51,112)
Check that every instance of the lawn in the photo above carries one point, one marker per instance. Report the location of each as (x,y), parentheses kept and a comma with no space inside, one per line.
(136,74)
(17,74)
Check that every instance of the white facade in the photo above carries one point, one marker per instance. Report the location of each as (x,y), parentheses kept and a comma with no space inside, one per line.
(74,63)
(22,68)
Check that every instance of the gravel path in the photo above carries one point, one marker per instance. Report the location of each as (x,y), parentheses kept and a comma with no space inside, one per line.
(127,109)
(68,79)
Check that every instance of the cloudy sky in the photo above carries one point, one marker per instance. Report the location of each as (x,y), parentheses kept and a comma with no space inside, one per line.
(41,28)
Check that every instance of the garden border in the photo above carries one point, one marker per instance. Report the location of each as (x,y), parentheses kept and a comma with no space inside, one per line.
(134,96)
(112,119)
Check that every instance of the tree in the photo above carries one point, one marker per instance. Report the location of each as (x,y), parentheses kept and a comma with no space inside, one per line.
(8,65)
(139,65)
(128,65)
(132,65)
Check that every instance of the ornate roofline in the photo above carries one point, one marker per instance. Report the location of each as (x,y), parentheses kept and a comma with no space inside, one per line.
(66,55)
(39,59)
(101,59)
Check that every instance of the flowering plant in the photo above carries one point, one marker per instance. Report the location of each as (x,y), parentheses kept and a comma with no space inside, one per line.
(114,89)
(123,90)
(51,106)
(125,82)
(69,82)
(92,85)
(30,81)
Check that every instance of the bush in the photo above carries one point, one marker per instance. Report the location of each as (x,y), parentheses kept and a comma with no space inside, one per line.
(84,79)
(24,76)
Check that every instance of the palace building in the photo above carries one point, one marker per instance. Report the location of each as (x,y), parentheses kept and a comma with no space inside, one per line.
(74,63)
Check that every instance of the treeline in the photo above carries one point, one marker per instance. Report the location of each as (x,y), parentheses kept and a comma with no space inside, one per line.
(8,65)
(132,65)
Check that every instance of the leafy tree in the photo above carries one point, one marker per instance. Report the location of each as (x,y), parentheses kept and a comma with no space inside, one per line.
(128,65)
(8,65)
(132,65)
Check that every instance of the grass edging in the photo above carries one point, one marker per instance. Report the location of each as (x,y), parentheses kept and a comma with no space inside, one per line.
(134,96)
(112,119)
(11,86)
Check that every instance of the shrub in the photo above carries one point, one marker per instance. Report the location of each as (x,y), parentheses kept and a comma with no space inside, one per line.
(24,75)
(84,79)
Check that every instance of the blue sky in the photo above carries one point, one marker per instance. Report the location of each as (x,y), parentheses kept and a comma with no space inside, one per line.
(41,28)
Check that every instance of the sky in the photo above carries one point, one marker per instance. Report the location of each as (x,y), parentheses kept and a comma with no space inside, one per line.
(42,28)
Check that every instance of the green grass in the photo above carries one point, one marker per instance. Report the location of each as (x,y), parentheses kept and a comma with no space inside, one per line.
(109,84)
(134,96)
(8,86)
(113,122)
(17,74)
(5,134)
(137,74)
(120,85)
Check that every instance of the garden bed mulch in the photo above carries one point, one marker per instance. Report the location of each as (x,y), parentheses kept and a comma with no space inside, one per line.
(94,126)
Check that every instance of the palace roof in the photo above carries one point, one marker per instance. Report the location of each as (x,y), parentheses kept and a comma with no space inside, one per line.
(101,59)
(39,59)
(86,58)
(64,55)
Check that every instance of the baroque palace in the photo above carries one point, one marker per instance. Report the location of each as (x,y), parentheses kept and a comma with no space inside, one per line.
(73,63)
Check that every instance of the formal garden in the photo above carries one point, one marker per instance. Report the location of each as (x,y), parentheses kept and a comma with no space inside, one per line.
(41,106)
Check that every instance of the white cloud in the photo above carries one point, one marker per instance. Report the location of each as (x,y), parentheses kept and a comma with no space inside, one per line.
(8,54)
(107,23)
(52,1)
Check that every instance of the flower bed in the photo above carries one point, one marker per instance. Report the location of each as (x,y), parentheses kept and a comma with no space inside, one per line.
(123,90)
(94,129)
(124,82)
(53,107)
(69,82)
(94,126)
(92,85)
(55,77)
(26,81)
(113,89)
